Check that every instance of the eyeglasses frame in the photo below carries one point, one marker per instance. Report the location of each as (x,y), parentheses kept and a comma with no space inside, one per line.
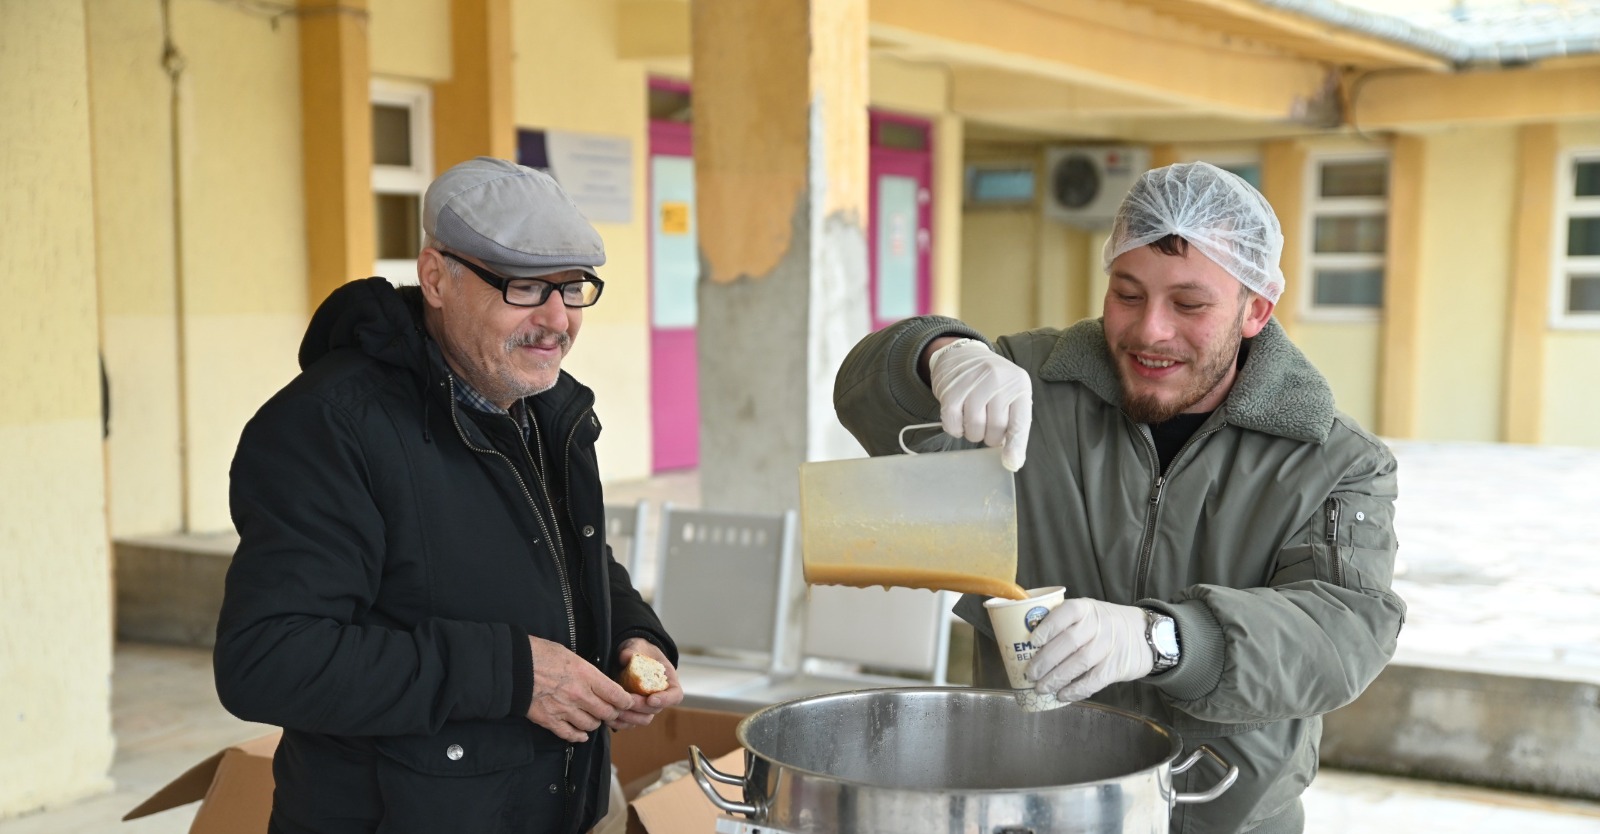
(503,284)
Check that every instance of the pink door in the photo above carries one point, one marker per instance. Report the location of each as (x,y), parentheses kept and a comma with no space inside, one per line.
(674,273)
(899,230)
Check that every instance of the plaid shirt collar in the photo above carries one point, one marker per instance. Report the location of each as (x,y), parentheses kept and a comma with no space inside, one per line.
(469,397)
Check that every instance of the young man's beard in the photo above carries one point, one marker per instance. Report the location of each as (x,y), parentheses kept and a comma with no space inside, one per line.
(1212,369)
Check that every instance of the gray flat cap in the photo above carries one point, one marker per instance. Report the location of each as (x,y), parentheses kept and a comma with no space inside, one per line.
(516,220)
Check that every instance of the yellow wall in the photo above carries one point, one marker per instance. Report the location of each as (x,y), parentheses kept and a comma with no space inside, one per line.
(244,255)
(612,354)
(1572,357)
(1347,354)
(1468,189)
(998,265)
(130,101)
(409,38)
(55,602)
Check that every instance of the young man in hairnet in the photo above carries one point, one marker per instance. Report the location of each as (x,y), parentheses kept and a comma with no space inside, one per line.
(1225,534)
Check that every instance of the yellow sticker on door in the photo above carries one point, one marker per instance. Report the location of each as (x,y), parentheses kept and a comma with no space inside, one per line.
(674,218)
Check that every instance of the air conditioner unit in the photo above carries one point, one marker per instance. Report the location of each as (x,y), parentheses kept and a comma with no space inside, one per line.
(1084,185)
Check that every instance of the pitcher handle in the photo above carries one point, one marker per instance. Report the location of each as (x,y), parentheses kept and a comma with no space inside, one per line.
(704,772)
(903,446)
(1217,789)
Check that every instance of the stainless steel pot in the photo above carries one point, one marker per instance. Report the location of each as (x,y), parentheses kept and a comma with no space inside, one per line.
(919,760)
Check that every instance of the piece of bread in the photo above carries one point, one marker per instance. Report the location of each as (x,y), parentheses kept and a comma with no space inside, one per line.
(644,675)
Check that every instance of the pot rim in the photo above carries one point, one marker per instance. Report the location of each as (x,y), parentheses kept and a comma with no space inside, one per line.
(1175,741)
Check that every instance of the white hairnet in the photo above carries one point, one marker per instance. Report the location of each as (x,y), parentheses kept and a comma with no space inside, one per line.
(1217,212)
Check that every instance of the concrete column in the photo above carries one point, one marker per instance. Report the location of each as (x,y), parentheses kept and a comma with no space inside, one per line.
(1531,266)
(55,601)
(472,111)
(336,109)
(1398,370)
(1283,183)
(780,138)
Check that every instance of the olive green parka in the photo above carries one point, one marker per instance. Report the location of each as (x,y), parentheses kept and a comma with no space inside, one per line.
(1270,539)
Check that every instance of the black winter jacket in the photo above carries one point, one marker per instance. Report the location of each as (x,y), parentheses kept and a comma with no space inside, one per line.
(396,551)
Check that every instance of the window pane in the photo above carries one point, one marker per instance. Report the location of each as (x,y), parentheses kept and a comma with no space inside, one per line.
(1586,177)
(1583,294)
(391,135)
(1583,236)
(1348,287)
(1368,178)
(896,229)
(1001,185)
(892,134)
(1347,234)
(399,224)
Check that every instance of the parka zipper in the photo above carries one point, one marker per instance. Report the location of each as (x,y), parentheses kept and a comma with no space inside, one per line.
(1333,541)
(566,474)
(560,548)
(1147,544)
(561,569)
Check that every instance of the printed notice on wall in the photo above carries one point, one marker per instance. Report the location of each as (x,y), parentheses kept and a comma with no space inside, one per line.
(674,217)
(596,170)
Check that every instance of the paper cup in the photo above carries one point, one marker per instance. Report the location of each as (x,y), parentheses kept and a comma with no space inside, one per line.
(1014,621)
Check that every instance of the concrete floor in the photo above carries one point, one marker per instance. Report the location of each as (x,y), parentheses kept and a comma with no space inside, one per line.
(1497,562)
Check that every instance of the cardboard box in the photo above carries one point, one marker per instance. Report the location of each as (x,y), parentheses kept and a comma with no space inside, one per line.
(234,786)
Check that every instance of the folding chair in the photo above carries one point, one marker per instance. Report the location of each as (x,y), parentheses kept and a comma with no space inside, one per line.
(725,588)
(866,638)
(625,527)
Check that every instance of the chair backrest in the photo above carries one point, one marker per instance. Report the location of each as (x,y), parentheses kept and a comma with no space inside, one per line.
(625,527)
(898,631)
(726,585)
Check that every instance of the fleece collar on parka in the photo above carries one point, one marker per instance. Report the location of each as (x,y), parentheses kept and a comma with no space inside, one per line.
(1276,392)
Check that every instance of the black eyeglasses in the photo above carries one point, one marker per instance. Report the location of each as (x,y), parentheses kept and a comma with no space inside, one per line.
(532,292)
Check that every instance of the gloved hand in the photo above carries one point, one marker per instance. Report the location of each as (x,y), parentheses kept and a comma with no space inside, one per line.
(983,397)
(1086,645)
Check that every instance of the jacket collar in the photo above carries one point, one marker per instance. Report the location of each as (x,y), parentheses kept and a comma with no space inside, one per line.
(1277,391)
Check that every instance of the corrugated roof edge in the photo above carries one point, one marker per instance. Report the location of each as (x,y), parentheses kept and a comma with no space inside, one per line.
(1457,51)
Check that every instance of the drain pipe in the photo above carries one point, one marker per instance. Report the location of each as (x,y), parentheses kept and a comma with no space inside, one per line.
(173,62)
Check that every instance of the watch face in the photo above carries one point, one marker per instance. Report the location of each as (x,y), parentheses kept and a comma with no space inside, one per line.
(1165,637)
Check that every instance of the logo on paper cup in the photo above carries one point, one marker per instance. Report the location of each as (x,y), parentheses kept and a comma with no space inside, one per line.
(1034,617)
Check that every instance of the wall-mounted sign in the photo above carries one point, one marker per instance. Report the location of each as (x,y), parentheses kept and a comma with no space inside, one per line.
(596,170)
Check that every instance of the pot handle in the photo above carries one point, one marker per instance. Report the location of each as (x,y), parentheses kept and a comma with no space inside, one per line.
(903,446)
(704,773)
(1217,789)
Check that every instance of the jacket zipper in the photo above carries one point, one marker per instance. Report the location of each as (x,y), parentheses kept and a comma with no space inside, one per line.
(560,548)
(1147,544)
(566,474)
(1333,541)
(561,569)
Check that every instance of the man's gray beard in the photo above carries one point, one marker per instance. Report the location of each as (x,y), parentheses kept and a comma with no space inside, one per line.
(1148,408)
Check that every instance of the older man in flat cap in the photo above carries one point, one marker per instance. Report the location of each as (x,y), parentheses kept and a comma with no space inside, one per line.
(422,596)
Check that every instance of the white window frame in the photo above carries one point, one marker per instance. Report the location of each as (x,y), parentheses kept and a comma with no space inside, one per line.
(405,179)
(1318,206)
(1567,207)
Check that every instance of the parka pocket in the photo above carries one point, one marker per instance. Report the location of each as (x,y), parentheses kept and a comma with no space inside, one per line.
(471,776)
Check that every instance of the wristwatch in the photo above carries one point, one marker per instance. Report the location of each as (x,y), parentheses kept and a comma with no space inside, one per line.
(1161,632)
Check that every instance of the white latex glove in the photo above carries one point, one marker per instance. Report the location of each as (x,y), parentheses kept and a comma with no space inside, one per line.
(983,397)
(1086,645)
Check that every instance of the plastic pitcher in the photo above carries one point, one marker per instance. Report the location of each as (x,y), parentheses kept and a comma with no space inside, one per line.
(945,521)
